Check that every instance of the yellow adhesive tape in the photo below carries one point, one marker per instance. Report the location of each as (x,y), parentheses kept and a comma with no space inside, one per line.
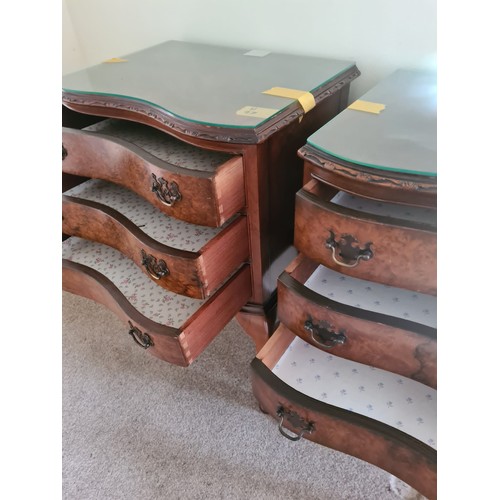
(256,112)
(115,60)
(367,106)
(306,99)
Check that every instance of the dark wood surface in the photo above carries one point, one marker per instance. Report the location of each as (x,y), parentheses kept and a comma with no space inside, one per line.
(195,274)
(179,346)
(147,113)
(355,435)
(372,183)
(207,199)
(272,173)
(404,253)
(374,339)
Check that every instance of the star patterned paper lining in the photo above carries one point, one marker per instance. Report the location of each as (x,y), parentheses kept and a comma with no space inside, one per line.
(385,209)
(397,302)
(399,402)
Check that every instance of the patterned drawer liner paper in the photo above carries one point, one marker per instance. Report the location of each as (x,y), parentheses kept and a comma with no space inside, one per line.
(384,299)
(385,209)
(162,145)
(402,403)
(149,299)
(149,219)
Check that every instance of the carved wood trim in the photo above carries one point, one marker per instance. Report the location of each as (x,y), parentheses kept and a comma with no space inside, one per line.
(340,173)
(122,107)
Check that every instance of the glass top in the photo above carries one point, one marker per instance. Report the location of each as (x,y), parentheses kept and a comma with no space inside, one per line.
(402,138)
(207,84)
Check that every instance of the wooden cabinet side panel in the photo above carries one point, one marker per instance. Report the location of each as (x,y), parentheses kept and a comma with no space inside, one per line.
(204,325)
(229,188)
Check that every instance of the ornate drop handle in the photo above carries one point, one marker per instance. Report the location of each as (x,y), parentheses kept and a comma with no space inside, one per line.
(64,152)
(296,421)
(155,268)
(325,337)
(140,338)
(348,250)
(167,192)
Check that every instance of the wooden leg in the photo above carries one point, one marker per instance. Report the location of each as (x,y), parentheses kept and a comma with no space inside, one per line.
(258,324)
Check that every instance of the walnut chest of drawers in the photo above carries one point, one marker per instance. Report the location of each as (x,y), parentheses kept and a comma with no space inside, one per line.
(353,363)
(179,176)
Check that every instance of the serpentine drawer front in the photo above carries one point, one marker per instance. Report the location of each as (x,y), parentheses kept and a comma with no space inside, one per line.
(377,241)
(188,259)
(192,184)
(386,327)
(372,414)
(170,326)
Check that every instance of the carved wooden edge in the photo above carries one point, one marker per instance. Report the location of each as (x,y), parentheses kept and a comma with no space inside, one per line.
(425,186)
(148,113)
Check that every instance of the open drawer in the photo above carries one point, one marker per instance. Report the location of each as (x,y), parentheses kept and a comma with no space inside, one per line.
(374,415)
(376,241)
(390,328)
(188,259)
(192,184)
(170,326)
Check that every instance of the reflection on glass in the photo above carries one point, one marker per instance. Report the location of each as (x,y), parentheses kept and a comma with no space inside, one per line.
(206,84)
(403,137)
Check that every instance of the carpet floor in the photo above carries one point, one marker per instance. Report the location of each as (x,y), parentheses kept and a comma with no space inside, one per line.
(137,428)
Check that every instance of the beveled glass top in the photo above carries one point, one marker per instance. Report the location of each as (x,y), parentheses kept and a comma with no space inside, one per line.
(206,84)
(403,137)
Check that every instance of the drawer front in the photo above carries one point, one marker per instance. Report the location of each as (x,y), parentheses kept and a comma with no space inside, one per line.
(179,345)
(373,338)
(370,247)
(300,415)
(198,197)
(195,273)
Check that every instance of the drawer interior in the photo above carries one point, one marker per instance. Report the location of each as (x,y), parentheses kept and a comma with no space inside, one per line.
(384,299)
(399,402)
(369,208)
(152,221)
(161,145)
(385,209)
(152,301)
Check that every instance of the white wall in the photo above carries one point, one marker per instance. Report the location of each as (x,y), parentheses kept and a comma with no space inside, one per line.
(380,35)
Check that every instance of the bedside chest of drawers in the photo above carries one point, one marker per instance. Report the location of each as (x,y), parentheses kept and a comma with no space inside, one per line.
(353,363)
(179,175)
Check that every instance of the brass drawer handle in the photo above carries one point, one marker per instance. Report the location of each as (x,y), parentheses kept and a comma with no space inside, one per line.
(296,421)
(349,250)
(155,268)
(140,338)
(324,337)
(64,152)
(167,192)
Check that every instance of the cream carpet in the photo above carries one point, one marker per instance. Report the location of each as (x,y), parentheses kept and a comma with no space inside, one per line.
(137,428)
